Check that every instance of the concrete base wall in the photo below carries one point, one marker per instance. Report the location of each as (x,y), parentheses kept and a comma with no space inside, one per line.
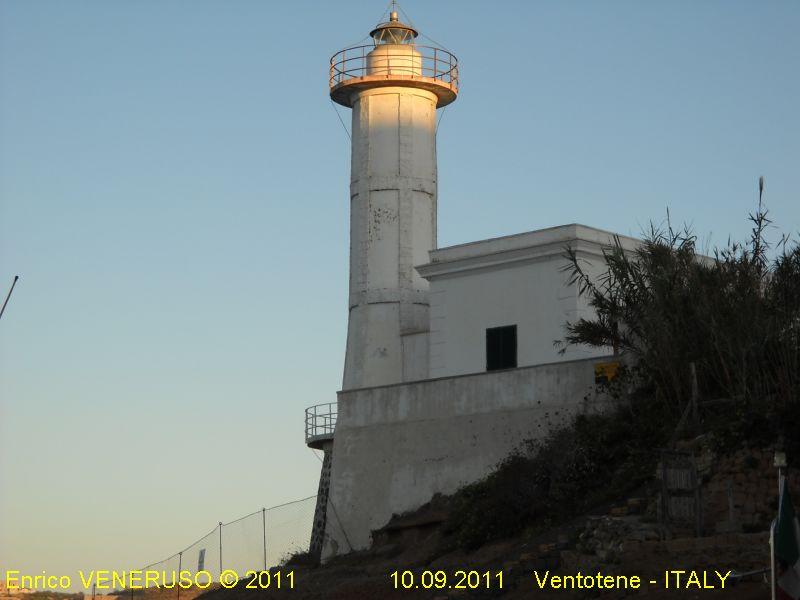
(396,446)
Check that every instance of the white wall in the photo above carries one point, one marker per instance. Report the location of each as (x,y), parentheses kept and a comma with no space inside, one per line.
(396,446)
(531,296)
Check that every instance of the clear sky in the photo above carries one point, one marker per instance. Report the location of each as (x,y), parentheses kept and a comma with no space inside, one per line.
(174,188)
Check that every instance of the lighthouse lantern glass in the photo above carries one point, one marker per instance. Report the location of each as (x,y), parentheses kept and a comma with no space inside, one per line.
(393,35)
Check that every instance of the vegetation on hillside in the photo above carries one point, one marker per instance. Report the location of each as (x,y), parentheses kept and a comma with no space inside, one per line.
(598,459)
(713,345)
(733,319)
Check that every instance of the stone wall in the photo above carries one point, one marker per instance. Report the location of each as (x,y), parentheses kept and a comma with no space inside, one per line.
(740,490)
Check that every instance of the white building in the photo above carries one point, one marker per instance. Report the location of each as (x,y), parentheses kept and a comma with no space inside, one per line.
(450,361)
(509,293)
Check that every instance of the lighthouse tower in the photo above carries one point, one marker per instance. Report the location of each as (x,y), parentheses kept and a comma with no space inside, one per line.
(393,87)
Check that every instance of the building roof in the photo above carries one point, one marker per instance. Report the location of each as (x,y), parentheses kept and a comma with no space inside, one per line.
(531,245)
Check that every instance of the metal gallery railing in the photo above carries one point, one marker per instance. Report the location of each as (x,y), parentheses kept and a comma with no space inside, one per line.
(412,60)
(321,422)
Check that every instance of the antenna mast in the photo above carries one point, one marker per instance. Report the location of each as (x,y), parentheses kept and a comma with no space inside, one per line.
(9,295)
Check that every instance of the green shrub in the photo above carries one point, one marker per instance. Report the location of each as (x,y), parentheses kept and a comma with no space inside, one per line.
(734,318)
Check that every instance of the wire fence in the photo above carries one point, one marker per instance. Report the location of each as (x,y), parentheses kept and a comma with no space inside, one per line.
(255,542)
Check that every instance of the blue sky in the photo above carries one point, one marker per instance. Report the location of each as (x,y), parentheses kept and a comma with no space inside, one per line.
(174,195)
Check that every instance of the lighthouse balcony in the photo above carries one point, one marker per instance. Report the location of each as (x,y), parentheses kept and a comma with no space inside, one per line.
(365,67)
(320,424)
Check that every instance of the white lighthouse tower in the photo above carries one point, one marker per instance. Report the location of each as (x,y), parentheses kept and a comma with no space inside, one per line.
(394,87)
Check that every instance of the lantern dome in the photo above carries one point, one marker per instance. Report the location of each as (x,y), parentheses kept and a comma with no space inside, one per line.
(393,32)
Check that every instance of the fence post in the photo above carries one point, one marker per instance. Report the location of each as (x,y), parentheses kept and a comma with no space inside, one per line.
(220,548)
(264,525)
(180,564)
